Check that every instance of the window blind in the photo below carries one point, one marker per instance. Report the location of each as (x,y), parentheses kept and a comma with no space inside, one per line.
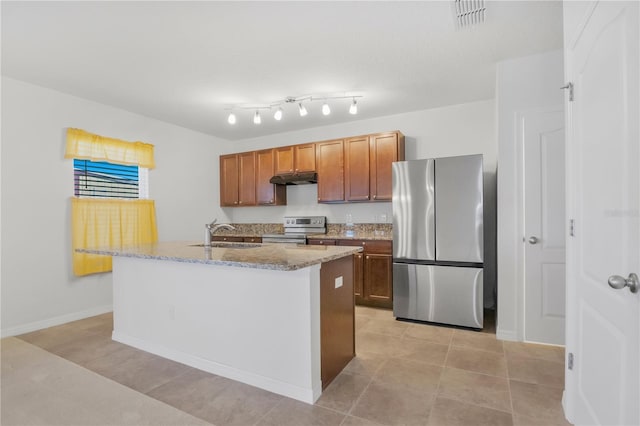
(105,180)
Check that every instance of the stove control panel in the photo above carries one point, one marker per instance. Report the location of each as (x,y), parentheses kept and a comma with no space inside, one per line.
(305,221)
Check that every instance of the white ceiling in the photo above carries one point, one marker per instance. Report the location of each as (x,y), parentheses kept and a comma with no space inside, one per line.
(185,62)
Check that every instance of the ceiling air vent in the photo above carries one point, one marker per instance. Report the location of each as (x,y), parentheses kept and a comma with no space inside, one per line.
(468,12)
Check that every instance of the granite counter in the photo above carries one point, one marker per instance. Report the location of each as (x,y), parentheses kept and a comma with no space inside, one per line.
(281,257)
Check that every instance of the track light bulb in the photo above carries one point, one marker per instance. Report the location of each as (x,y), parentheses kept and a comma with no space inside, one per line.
(278,114)
(303,110)
(231,119)
(325,109)
(353,109)
(256,118)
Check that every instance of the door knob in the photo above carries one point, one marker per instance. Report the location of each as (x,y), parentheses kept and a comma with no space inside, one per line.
(533,240)
(618,282)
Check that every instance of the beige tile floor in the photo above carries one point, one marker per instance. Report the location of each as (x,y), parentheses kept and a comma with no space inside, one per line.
(404,374)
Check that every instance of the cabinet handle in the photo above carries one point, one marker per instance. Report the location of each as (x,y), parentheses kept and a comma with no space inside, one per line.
(321,242)
(374,197)
(364,243)
(368,257)
(239,202)
(271,201)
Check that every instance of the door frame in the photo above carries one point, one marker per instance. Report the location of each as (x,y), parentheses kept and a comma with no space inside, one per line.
(520,119)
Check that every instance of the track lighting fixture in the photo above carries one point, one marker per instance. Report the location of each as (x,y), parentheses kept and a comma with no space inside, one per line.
(300,100)
(353,109)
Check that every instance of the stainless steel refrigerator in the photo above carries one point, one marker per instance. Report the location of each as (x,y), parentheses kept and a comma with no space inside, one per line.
(438,240)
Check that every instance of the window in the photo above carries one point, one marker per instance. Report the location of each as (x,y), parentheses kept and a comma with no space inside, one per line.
(101,179)
(110,207)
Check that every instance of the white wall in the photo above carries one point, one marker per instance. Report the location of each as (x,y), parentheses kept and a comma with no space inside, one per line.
(38,287)
(440,132)
(523,84)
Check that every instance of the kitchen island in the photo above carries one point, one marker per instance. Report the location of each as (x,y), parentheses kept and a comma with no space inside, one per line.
(279,317)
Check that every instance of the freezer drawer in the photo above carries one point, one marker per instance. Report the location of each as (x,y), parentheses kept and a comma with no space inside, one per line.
(442,294)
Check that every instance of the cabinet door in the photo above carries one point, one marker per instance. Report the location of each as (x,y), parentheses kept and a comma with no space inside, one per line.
(229,173)
(330,164)
(247,179)
(305,158)
(385,148)
(264,172)
(266,192)
(356,169)
(283,159)
(358,277)
(378,286)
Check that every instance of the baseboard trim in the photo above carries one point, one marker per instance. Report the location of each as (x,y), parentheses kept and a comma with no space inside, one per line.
(292,391)
(51,322)
(509,335)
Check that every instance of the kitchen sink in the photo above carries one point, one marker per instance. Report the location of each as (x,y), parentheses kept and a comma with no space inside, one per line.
(230,245)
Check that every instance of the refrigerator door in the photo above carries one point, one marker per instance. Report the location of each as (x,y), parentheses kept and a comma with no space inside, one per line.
(442,294)
(413,208)
(458,211)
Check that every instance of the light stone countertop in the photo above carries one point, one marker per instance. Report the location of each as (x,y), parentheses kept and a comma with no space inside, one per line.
(282,257)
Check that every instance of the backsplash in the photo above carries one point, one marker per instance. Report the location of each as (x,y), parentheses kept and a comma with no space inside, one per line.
(340,229)
(364,230)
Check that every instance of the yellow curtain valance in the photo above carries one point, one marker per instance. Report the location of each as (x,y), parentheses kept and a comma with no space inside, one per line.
(85,145)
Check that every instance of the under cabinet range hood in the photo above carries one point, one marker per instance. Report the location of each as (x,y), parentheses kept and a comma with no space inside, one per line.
(301,178)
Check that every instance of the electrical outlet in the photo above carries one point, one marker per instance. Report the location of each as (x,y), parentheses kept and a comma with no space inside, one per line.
(339,281)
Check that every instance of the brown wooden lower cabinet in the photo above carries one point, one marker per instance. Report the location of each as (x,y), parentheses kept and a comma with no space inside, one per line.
(378,280)
(372,270)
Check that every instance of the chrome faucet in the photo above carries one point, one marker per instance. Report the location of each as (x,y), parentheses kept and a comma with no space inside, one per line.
(211,228)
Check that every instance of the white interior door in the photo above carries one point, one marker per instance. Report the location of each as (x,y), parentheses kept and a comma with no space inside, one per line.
(543,134)
(603,324)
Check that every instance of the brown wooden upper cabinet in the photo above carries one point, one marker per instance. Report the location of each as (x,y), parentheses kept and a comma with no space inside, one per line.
(385,148)
(367,170)
(349,170)
(266,192)
(238,179)
(330,168)
(295,158)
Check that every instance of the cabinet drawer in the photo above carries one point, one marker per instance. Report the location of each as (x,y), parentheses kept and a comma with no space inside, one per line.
(227,238)
(369,246)
(321,242)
